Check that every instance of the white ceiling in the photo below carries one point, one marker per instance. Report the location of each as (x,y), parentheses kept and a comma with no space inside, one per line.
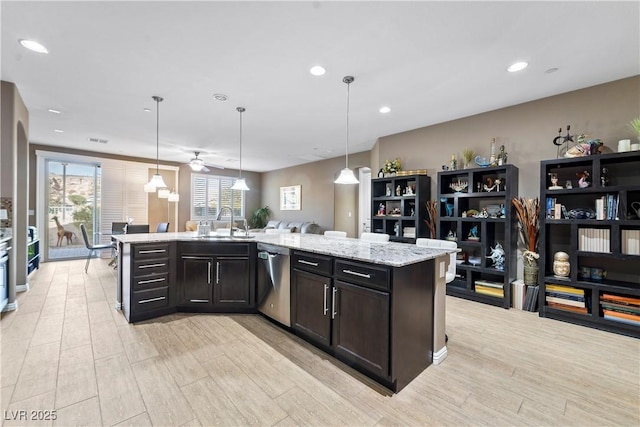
(429,61)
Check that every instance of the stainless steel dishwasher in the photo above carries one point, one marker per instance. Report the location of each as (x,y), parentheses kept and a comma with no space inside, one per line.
(274,288)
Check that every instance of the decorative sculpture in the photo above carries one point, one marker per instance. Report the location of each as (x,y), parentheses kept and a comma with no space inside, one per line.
(497,257)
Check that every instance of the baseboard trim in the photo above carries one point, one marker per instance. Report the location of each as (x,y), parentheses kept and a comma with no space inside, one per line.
(440,355)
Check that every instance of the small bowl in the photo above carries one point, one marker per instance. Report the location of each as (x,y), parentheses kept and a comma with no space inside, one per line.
(473,260)
(482,161)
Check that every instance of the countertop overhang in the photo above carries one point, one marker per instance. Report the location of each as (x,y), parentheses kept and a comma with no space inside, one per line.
(390,253)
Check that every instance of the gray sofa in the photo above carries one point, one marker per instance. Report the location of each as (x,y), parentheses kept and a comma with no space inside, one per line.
(295,226)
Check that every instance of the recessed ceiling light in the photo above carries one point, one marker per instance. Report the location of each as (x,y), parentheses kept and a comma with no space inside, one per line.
(220,97)
(385,110)
(58,130)
(51,110)
(551,70)
(518,66)
(33,45)
(317,70)
(147,110)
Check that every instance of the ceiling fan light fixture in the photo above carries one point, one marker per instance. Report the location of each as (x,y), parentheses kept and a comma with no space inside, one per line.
(346,174)
(156,180)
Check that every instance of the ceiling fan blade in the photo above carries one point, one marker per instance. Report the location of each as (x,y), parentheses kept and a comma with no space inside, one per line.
(205,169)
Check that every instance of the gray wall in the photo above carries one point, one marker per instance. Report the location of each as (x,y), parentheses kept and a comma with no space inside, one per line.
(526,130)
(317,190)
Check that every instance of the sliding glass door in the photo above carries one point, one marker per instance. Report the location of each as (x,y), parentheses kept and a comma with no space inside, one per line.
(73,198)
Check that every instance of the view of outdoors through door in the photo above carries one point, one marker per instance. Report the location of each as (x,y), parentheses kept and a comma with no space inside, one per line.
(73,198)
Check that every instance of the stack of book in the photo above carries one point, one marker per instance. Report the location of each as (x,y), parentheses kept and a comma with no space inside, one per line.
(531,298)
(594,240)
(409,232)
(607,207)
(517,294)
(631,242)
(566,298)
(494,289)
(621,309)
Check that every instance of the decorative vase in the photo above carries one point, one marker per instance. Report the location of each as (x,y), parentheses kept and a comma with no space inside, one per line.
(561,265)
(531,275)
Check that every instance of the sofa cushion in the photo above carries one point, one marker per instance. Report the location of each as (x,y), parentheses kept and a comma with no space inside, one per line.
(311,228)
(273,224)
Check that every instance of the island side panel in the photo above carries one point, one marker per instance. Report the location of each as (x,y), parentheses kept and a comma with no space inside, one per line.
(411,321)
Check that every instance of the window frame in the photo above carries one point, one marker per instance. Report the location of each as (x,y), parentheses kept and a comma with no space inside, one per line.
(221,181)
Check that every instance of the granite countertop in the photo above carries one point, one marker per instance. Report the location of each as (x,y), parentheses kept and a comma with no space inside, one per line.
(5,234)
(391,253)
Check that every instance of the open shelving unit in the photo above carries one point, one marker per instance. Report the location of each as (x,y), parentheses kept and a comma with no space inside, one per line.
(401,211)
(474,268)
(601,244)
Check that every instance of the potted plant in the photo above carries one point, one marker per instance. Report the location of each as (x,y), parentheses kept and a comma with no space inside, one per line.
(467,156)
(391,167)
(527,213)
(260,217)
(635,126)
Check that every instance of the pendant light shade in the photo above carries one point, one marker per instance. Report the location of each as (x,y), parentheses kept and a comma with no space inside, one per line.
(174,197)
(156,181)
(163,193)
(346,174)
(240,183)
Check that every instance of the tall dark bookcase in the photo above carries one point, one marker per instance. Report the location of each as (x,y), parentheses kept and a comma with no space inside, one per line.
(401,212)
(602,244)
(475,266)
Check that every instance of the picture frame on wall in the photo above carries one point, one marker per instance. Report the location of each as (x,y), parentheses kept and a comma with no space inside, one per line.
(290,198)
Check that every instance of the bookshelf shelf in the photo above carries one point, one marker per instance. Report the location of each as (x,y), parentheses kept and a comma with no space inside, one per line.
(595,246)
(490,230)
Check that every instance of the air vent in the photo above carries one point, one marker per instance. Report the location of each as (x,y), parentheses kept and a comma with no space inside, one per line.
(98,140)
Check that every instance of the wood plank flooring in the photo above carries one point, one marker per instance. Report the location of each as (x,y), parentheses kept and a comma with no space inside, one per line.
(67,349)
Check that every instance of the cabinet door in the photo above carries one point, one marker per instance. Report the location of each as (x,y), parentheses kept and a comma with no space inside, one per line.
(231,286)
(196,280)
(310,306)
(361,327)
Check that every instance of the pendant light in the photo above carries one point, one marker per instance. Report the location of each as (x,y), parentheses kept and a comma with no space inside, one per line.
(240,183)
(156,181)
(346,174)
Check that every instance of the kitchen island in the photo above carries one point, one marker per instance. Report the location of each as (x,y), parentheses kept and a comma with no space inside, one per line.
(370,305)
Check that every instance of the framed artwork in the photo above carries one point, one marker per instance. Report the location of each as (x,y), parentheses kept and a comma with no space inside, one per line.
(290,198)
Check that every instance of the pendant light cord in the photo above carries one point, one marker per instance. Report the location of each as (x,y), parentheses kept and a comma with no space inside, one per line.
(158,99)
(348,80)
(240,110)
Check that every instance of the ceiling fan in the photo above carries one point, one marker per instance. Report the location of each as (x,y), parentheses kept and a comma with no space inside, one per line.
(197,164)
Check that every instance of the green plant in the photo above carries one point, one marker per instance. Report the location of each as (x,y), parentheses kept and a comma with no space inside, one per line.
(260,217)
(467,155)
(392,166)
(635,125)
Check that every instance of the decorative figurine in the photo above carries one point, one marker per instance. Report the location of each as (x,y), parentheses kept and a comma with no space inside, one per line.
(491,185)
(398,190)
(396,229)
(459,186)
(454,163)
(473,234)
(554,182)
(452,236)
(568,185)
(381,173)
(565,140)
(408,191)
(388,191)
(380,210)
(502,157)
(503,211)
(604,179)
(492,157)
(497,256)
(583,182)
(561,265)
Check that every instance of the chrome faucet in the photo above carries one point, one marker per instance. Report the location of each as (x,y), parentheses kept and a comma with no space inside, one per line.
(231,224)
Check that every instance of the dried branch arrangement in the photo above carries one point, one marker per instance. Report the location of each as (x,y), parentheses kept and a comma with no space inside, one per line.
(527,213)
(432,216)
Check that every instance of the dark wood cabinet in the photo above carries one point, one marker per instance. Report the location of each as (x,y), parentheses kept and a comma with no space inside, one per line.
(216,276)
(195,279)
(232,286)
(361,326)
(310,306)
(398,206)
(594,220)
(476,212)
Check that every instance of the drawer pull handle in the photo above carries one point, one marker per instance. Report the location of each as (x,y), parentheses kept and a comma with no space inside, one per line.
(144,301)
(217,272)
(334,309)
(195,257)
(151,265)
(143,282)
(198,300)
(153,251)
(355,273)
(326,308)
(302,261)
(209,273)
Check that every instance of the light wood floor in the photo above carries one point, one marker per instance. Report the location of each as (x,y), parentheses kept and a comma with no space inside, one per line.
(67,349)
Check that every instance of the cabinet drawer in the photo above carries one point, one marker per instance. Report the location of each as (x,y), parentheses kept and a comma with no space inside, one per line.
(150,299)
(364,274)
(312,262)
(159,250)
(150,281)
(204,248)
(149,266)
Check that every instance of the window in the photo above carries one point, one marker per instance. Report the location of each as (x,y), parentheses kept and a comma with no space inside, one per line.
(210,193)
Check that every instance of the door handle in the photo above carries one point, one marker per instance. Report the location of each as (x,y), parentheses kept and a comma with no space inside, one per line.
(334,311)
(209,273)
(217,272)
(326,308)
